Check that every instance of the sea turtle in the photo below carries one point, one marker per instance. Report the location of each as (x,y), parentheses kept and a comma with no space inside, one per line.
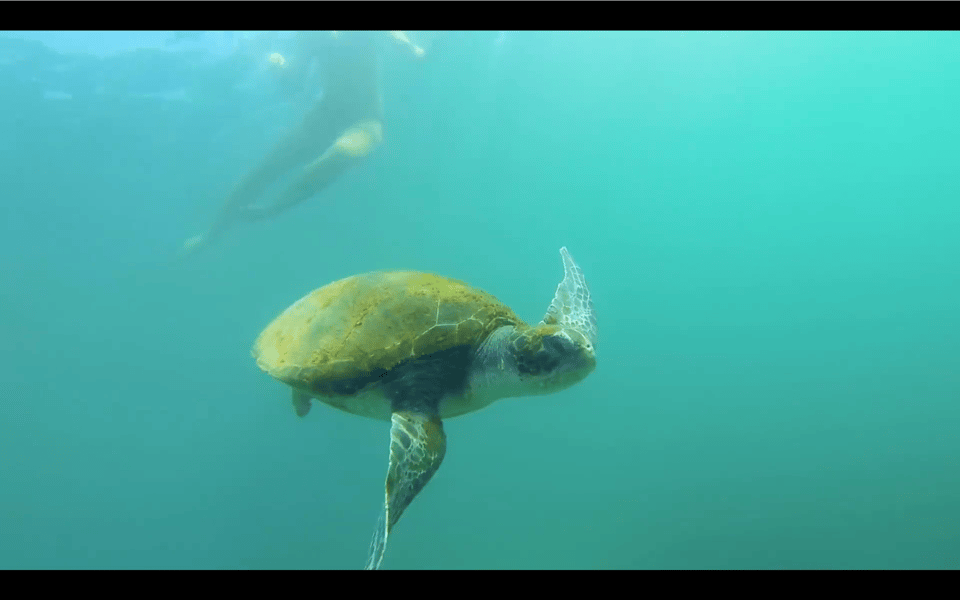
(414,348)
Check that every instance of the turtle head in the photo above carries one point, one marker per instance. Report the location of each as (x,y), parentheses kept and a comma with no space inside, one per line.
(549,358)
(561,349)
(553,355)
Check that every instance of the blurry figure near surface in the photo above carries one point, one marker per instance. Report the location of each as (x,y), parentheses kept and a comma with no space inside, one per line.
(343,127)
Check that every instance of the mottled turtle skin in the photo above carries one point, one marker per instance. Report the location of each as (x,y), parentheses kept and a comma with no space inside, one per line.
(415,348)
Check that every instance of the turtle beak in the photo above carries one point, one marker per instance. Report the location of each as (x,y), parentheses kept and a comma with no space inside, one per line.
(585,352)
(579,356)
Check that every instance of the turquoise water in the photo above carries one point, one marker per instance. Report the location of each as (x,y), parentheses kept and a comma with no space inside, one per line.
(768,222)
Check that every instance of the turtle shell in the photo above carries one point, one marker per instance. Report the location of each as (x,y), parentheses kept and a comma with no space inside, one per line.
(340,338)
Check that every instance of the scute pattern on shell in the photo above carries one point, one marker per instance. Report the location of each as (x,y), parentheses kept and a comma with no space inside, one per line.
(368,324)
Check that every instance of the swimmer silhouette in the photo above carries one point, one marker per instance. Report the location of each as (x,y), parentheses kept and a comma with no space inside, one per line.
(337,133)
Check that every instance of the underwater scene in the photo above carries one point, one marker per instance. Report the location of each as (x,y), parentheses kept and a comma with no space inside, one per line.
(655,300)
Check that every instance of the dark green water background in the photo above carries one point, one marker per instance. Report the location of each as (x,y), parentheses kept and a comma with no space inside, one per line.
(768,222)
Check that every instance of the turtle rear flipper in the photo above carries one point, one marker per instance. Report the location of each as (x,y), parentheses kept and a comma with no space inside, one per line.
(417,447)
(301,403)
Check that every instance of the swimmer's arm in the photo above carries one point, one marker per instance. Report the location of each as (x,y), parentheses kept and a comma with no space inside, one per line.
(402,39)
(399,37)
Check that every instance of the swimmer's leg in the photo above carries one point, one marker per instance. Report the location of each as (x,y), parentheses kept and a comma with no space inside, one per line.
(349,149)
(297,147)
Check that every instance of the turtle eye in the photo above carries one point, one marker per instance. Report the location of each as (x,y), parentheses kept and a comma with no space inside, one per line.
(556,345)
(558,349)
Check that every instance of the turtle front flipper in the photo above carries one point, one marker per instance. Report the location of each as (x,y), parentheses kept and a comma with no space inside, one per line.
(572,307)
(417,446)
